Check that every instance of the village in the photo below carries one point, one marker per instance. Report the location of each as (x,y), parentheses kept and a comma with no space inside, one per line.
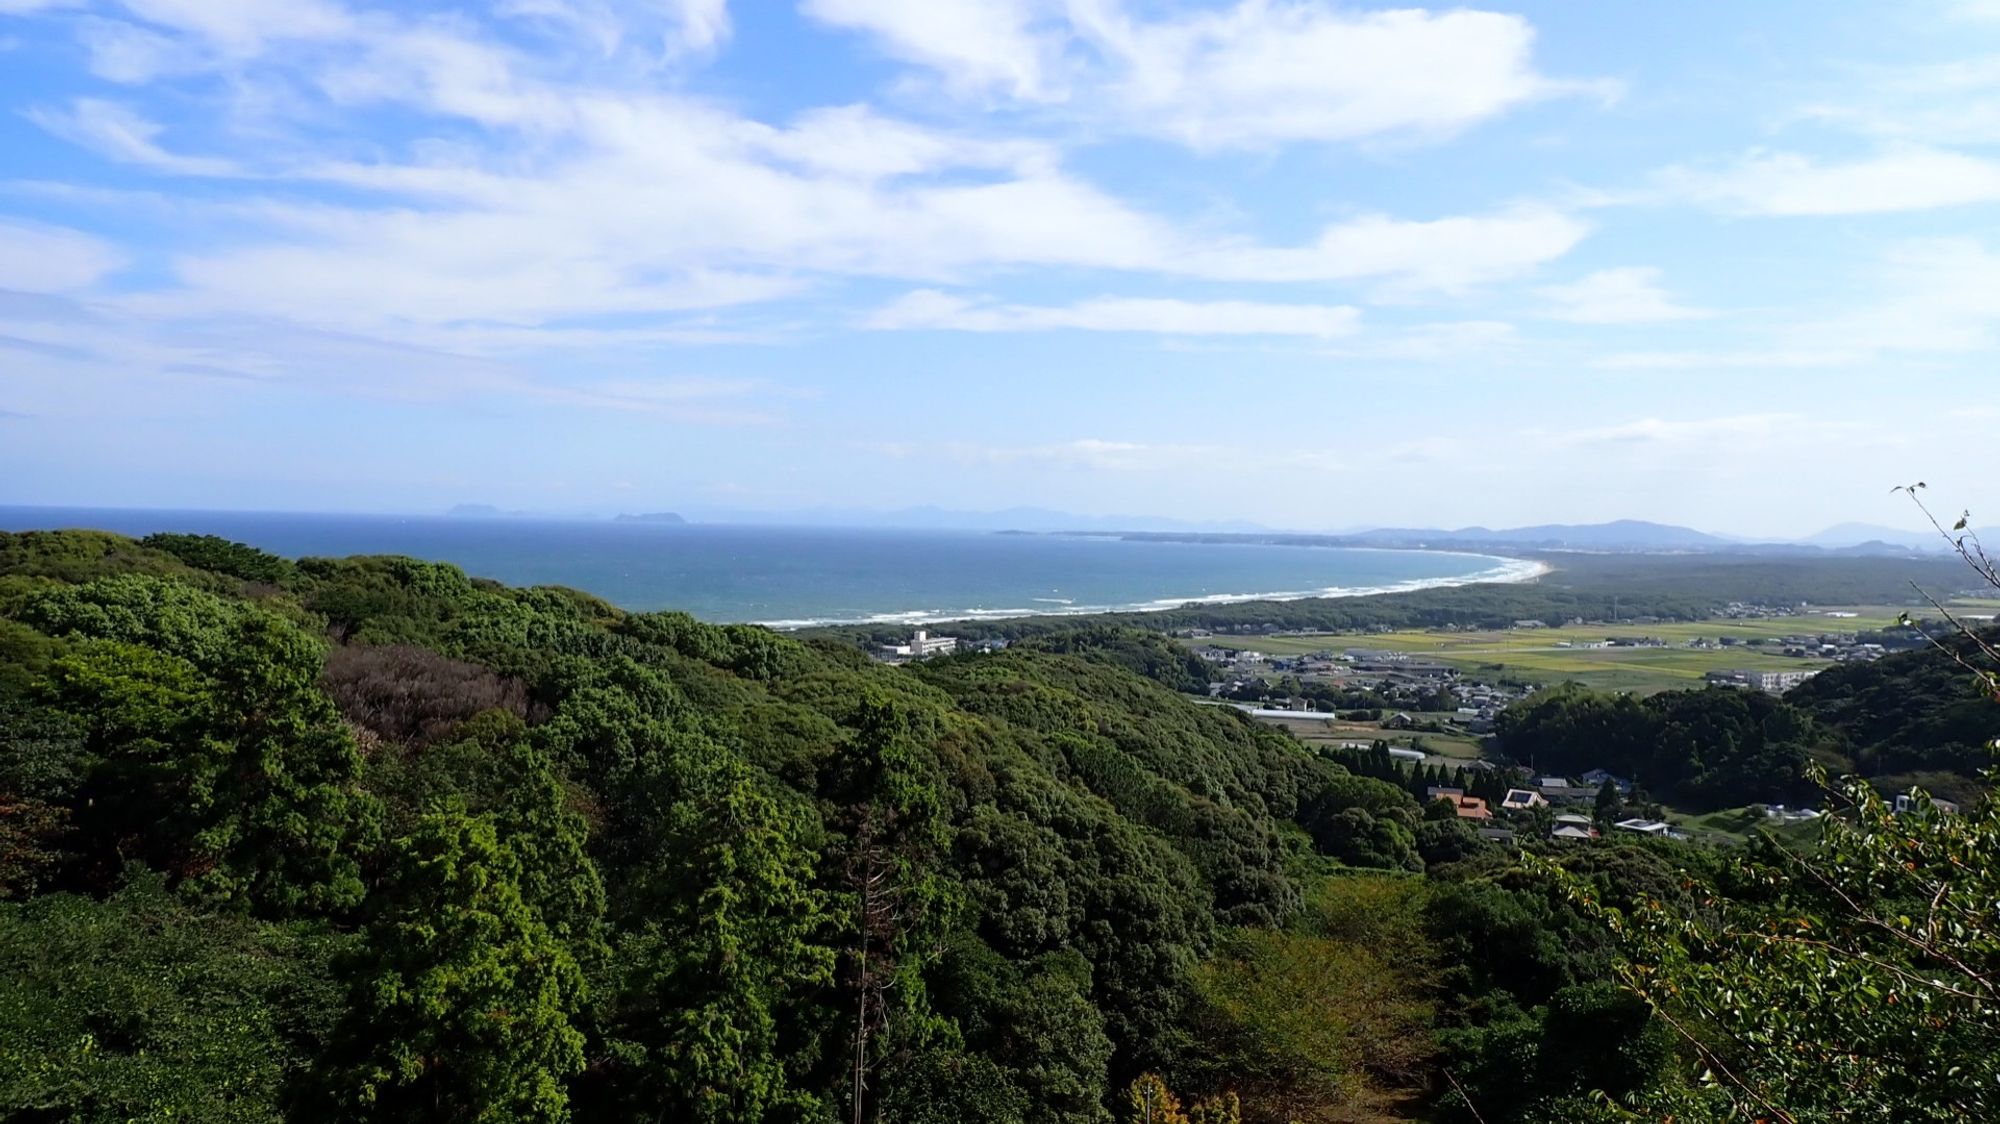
(1431,700)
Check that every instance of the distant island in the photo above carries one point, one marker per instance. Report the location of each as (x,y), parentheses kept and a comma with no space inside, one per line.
(651,517)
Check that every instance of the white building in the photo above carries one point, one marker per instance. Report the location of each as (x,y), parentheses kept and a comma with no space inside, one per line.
(1644,827)
(922,646)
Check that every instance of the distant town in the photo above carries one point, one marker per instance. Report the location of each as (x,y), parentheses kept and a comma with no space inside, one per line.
(1415,705)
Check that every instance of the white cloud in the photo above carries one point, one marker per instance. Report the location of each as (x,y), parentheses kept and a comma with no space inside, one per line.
(114,131)
(1902,178)
(854,141)
(1097,454)
(1631,295)
(660,204)
(127,53)
(930,309)
(569,193)
(1947,103)
(1451,339)
(1656,431)
(51,259)
(1937,298)
(702,24)
(1941,297)
(1263,72)
(1447,253)
(975,46)
(241,29)
(1257,73)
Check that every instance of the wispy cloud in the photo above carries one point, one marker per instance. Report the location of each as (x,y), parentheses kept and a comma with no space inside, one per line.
(930,309)
(1249,75)
(1629,295)
(117,132)
(1934,298)
(39,258)
(1094,454)
(1900,178)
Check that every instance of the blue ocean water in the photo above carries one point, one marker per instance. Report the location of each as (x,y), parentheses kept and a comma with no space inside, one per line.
(794,576)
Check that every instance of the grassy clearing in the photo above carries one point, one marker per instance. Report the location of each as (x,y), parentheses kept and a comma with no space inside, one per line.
(1737,825)
(1323,730)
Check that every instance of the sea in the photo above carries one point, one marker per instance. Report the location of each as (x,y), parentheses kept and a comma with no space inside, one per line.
(796,577)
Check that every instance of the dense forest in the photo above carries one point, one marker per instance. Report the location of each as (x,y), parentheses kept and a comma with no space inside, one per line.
(1914,719)
(1594,587)
(367,839)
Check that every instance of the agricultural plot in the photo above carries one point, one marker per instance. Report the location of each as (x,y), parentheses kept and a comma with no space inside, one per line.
(1327,730)
(1556,655)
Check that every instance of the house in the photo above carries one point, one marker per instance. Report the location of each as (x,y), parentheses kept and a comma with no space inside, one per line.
(1573,828)
(1596,777)
(1559,790)
(1645,827)
(1904,804)
(1398,721)
(1501,835)
(1522,799)
(1440,792)
(1472,808)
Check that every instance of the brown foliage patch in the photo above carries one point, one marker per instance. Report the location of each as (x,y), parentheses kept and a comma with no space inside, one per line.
(415,696)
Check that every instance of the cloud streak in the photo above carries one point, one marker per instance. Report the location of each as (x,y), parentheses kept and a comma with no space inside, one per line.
(933,310)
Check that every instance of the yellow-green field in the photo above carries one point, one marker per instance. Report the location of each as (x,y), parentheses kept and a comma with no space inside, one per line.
(1328,730)
(1534,655)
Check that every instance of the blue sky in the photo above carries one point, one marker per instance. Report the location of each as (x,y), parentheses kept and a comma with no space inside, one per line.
(1313,265)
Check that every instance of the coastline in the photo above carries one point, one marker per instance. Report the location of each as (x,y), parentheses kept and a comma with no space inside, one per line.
(1510,571)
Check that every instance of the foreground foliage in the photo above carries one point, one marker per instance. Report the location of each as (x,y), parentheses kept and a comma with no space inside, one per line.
(368,839)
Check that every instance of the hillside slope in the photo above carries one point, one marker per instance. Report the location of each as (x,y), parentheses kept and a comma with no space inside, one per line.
(402,838)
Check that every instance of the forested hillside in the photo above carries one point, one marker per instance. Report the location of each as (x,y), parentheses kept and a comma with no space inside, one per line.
(367,839)
(1917,717)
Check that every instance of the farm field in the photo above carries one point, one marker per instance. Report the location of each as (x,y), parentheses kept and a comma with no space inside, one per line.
(1737,825)
(1313,729)
(1537,655)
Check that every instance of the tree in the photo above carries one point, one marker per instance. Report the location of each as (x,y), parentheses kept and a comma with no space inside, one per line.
(41,762)
(1148,1100)
(1301,1021)
(209,748)
(1610,805)
(901,901)
(463,999)
(137,1007)
(724,949)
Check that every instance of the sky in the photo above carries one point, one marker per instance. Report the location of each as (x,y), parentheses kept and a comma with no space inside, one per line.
(1311,265)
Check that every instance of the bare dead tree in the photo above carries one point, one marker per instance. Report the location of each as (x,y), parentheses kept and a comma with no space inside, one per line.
(1977,654)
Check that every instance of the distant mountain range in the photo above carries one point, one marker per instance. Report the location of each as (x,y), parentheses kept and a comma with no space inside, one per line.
(1623,534)
(1859,534)
(1617,535)
(947,519)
